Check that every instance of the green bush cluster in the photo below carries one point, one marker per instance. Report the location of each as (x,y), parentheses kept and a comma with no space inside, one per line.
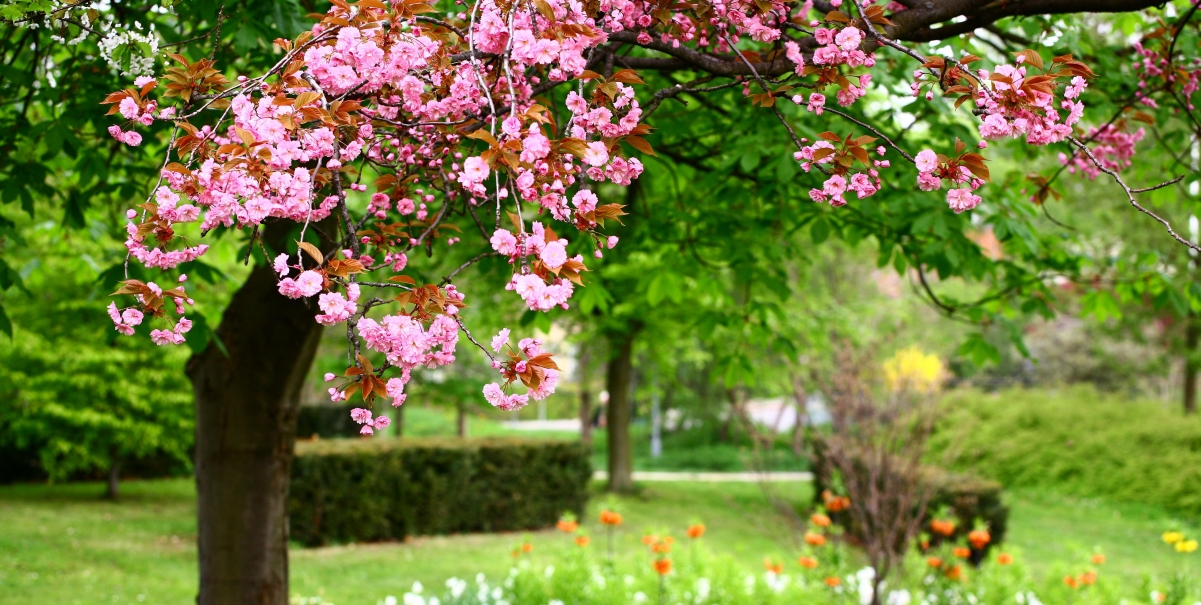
(350,490)
(1078,441)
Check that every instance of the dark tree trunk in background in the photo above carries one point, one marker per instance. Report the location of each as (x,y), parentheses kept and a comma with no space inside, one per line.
(399,423)
(246,406)
(462,420)
(113,490)
(585,399)
(620,374)
(1191,336)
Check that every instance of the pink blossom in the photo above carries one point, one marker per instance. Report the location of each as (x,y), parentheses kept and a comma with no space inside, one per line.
(816,102)
(500,340)
(309,283)
(555,254)
(926,161)
(961,200)
(504,242)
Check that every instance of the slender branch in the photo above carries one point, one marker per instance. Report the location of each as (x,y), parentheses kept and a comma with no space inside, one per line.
(1130,194)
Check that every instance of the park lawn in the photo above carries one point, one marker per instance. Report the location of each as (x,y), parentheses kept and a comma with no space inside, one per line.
(61,544)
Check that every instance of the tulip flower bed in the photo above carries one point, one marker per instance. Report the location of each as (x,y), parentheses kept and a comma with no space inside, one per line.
(670,570)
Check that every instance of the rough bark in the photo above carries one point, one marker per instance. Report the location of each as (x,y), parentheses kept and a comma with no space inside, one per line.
(620,374)
(113,490)
(246,407)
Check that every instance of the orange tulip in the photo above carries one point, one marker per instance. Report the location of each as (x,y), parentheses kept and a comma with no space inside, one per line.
(815,539)
(807,562)
(1088,578)
(527,547)
(608,517)
(934,562)
(954,573)
(833,581)
(1004,559)
(696,531)
(649,539)
(962,552)
(979,538)
(1098,559)
(662,566)
(820,520)
(1070,581)
(582,541)
(568,527)
(772,566)
(942,528)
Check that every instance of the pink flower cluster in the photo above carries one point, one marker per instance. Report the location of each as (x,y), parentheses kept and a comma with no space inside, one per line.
(1155,65)
(541,290)
(1010,110)
(1112,146)
(863,183)
(932,171)
(370,425)
(531,348)
(126,319)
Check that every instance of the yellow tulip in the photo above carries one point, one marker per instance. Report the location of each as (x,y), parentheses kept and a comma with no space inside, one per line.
(1172,537)
(1186,546)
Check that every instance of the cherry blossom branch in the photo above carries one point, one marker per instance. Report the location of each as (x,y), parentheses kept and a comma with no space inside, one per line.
(792,133)
(1130,193)
(447,279)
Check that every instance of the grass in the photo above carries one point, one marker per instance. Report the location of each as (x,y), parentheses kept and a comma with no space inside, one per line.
(62,544)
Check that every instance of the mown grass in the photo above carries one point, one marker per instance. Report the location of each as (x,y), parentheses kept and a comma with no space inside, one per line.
(62,544)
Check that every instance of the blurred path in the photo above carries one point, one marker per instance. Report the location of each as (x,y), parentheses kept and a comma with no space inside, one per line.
(711,477)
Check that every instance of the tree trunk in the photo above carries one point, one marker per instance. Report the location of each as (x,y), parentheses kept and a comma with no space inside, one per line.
(462,420)
(620,374)
(398,424)
(246,407)
(113,491)
(1191,336)
(585,399)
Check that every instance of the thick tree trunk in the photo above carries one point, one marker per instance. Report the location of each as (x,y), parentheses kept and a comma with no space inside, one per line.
(246,406)
(1191,336)
(113,491)
(620,374)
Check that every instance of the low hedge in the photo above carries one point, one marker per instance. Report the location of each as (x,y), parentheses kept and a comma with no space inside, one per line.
(348,490)
(1078,442)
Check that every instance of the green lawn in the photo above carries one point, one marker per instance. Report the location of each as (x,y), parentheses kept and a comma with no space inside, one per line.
(61,544)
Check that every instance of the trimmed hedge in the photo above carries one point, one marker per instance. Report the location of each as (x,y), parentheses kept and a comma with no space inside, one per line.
(349,490)
(1076,441)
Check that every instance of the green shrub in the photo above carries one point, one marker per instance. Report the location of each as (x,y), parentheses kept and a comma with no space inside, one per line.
(387,489)
(1078,441)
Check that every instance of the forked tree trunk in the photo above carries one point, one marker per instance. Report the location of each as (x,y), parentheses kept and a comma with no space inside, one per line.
(246,406)
(621,454)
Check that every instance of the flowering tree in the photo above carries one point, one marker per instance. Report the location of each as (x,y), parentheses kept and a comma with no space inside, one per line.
(510,120)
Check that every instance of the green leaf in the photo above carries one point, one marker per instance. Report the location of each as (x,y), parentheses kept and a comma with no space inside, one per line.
(6,325)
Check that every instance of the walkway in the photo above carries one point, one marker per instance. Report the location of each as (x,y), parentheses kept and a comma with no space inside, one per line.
(711,477)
